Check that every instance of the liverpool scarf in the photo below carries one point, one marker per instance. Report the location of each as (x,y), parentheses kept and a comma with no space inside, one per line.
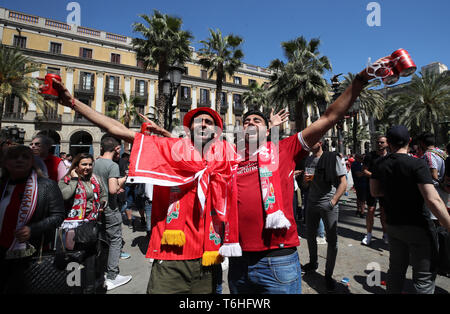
(175,162)
(26,211)
(77,210)
(270,184)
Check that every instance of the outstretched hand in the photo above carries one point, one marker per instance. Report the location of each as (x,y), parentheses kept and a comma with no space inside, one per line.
(279,118)
(369,72)
(64,96)
(152,127)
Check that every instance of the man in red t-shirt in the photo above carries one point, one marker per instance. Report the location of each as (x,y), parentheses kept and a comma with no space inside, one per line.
(270,262)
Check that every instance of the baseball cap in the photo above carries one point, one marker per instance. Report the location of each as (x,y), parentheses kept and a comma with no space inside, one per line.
(194,112)
(398,135)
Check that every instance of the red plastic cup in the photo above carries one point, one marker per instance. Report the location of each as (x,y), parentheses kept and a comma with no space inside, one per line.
(144,128)
(384,71)
(403,62)
(392,77)
(48,91)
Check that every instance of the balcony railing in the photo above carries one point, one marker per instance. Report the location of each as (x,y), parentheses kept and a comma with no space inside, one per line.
(204,103)
(84,89)
(238,109)
(223,107)
(48,118)
(185,103)
(141,98)
(12,116)
(113,93)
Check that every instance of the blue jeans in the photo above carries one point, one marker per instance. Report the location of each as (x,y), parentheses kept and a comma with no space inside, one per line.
(148,214)
(321,229)
(268,275)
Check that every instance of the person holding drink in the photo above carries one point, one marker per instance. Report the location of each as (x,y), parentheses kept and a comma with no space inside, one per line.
(327,184)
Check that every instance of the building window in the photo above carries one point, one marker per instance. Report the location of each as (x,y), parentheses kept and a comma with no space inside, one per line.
(86,80)
(204,74)
(237,80)
(115,58)
(86,53)
(55,48)
(51,70)
(237,99)
(185,92)
(186,71)
(20,41)
(204,96)
(140,88)
(223,98)
(251,82)
(140,63)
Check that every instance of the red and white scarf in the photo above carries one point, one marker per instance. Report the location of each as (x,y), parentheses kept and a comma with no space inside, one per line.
(270,184)
(26,211)
(175,162)
(77,210)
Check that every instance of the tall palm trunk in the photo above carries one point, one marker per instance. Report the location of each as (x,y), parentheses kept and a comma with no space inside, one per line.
(355,132)
(219,85)
(299,116)
(2,106)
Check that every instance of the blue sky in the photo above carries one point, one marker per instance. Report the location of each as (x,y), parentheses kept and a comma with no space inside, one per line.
(421,27)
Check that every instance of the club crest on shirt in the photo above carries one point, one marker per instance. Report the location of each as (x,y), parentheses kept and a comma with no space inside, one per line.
(173,212)
(213,236)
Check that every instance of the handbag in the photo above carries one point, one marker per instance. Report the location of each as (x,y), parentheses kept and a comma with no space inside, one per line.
(47,273)
(87,233)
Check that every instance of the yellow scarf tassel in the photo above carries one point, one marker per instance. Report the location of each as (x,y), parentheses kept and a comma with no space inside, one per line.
(211,258)
(173,237)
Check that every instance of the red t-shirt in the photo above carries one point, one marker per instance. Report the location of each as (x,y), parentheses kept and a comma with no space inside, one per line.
(193,230)
(252,234)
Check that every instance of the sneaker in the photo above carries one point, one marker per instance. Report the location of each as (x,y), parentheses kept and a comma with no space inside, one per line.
(321,240)
(385,238)
(119,281)
(330,283)
(309,268)
(124,255)
(367,239)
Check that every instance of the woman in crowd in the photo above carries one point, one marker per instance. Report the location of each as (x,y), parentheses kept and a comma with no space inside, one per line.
(84,200)
(31,208)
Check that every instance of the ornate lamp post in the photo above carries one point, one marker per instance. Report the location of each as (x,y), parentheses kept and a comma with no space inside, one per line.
(170,86)
(13,134)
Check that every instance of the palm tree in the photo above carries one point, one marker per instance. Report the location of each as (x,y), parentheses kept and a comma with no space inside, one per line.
(300,81)
(358,134)
(14,80)
(370,101)
(164,44)
(220,55)
(126,110)
(423,102)
(256,97)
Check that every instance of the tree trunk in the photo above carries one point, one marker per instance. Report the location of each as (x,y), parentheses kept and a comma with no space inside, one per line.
(299,116)
(2,106)
(355,133)
(219,84)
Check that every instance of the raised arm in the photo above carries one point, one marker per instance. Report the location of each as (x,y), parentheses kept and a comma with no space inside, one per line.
(336,111)
(110,125)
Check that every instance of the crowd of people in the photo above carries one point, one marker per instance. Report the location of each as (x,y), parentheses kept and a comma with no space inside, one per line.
(203,199)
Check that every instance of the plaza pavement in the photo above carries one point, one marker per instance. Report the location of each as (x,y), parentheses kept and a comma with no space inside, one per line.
(352,260)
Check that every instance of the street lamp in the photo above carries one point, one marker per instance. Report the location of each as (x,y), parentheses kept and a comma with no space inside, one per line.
(13,134)
(171,82)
